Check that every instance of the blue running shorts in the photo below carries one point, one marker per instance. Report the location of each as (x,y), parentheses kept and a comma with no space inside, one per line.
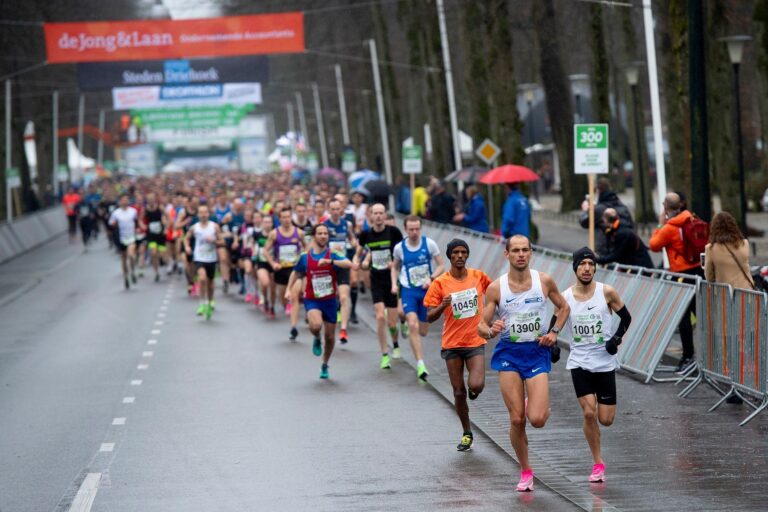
(528,358)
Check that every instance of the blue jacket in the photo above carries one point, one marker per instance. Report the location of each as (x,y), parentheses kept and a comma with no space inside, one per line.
(516,215)
(476,216)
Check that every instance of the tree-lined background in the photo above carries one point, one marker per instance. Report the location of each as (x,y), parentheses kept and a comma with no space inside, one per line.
(496,46)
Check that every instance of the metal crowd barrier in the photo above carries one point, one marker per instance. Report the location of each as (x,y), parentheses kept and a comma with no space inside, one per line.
(656,299)
(27,232)
(732,343)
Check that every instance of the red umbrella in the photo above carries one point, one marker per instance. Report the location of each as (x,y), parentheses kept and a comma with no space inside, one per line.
(509,174)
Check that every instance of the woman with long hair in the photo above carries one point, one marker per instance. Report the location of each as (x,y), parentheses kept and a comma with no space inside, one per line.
(726,256)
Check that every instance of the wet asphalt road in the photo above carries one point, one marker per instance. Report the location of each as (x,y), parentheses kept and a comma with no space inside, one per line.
(174,413)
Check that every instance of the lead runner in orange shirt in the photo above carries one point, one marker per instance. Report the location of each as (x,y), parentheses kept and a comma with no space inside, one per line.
(457,295)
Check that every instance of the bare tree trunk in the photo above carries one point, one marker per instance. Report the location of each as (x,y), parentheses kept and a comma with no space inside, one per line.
(558,100)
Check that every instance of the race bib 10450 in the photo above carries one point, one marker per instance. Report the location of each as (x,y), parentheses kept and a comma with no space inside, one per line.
(464,304)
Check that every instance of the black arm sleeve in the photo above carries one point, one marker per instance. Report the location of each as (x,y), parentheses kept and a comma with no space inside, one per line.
(552,322)
(626,319)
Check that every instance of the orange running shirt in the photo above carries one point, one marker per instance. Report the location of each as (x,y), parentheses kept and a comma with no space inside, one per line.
(466,310)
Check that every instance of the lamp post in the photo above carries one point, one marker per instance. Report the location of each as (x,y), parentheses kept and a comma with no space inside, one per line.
(579,85)
(735,53)
(632,71)
(528,91)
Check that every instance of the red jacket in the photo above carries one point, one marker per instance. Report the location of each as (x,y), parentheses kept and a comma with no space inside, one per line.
(670,236)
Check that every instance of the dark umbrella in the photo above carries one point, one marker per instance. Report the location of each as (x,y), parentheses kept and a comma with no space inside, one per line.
(377,190)
(467,175)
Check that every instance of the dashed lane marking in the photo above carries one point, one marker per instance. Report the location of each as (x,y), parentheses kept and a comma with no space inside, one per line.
(156,331)
(86,493)
(142,367)
(129,399)
(107,447)
(118,421)
(147,353)
(151,342)
(136,382)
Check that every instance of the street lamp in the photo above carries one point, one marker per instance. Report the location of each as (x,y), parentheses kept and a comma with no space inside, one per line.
(579,86)
(632,71)
(735,53)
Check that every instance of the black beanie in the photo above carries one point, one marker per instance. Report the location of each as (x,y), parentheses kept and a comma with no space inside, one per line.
(456,242)
(581,255)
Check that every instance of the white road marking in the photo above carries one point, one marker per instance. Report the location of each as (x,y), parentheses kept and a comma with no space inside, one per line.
(166,301)
(161,315)
(159,322)
(136,382)
(142,367)
(118,421)
(147,353)
(129,399)
(86,493)
(107,447)
(156,331)
(151,342)
(163,308)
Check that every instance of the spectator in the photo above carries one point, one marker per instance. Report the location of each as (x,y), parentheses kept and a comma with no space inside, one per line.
(726,257)
(606,198)
(420,198)
(402,197)
(474,216)
(516,213)
(622,244)
(669,236)
(442,205)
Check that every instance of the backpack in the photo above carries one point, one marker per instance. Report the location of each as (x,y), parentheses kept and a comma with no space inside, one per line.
(695,235)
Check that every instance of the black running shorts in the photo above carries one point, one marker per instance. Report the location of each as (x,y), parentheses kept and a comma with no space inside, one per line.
(210,268)
(601,384)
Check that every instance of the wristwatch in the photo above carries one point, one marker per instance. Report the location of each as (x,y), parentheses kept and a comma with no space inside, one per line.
(555,330)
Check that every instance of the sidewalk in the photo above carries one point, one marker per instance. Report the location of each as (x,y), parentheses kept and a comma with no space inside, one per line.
(662,453)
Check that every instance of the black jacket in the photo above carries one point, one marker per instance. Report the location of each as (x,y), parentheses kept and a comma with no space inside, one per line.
(606,199)
(625,247)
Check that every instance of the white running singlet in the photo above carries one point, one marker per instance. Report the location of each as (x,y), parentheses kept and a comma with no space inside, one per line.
(205,252)
(591,325)
(523,313)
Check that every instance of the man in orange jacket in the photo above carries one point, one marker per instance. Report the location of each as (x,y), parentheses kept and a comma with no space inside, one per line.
(668,235)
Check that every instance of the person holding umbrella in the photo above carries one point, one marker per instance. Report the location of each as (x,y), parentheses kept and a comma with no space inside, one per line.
(516,212)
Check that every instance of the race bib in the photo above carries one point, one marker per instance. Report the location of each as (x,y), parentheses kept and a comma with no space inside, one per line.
(418,275)
(587,328)
(207,250)
(288,254)
(322,286)
(156,227)
(464,304)
(380,259)
(337,247)
(525,326)
(249,231)
(128,240)
(84,211)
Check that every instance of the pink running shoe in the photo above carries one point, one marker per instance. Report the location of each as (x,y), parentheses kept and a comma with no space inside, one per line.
(526,481)
(598,473)
(288,308)
(248,298)
(256,300)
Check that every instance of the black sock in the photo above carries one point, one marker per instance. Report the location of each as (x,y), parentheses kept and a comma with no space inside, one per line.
(468,434)
(395,344)
(353,296)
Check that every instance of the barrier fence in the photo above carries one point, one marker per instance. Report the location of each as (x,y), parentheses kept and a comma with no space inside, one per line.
(656,299)
(732,345)
(25,233)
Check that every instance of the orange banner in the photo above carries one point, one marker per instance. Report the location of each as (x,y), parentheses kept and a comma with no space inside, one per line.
(170,39)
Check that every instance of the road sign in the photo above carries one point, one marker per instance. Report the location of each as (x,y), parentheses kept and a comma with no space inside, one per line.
(412,163)
(488,152)
(12,177)
(348,160)
(312,162)
(62,173)
(590,142)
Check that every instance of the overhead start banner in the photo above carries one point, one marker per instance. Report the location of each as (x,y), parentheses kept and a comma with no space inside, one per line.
(172,39)
(125,98)
(192,117)
(106,75)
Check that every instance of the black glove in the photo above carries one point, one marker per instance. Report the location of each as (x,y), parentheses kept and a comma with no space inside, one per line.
(555,353)
(612,345)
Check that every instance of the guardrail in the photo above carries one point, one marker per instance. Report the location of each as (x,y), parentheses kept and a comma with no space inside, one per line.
(732,343)
(657,299)
(27,232)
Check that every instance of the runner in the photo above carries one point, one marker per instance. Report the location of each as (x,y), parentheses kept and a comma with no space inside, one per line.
(245,261)
(207,236)
(185,219)
(523,356)
(123,222)
(285,243)
(141,232)
(86,212)
(379,241)
(70,201)
(228,253)
(342,239)
(457,296)
(592,360)
(264,271)
(154,221)
(320,265)
(412,268)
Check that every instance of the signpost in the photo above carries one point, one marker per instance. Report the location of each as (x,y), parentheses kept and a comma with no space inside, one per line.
(62,173)
(312,163)
(590,157)
(349,160)
(488,152)
(12,183)
(413,165)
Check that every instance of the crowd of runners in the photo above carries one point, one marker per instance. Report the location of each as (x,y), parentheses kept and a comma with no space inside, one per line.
(306,253)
